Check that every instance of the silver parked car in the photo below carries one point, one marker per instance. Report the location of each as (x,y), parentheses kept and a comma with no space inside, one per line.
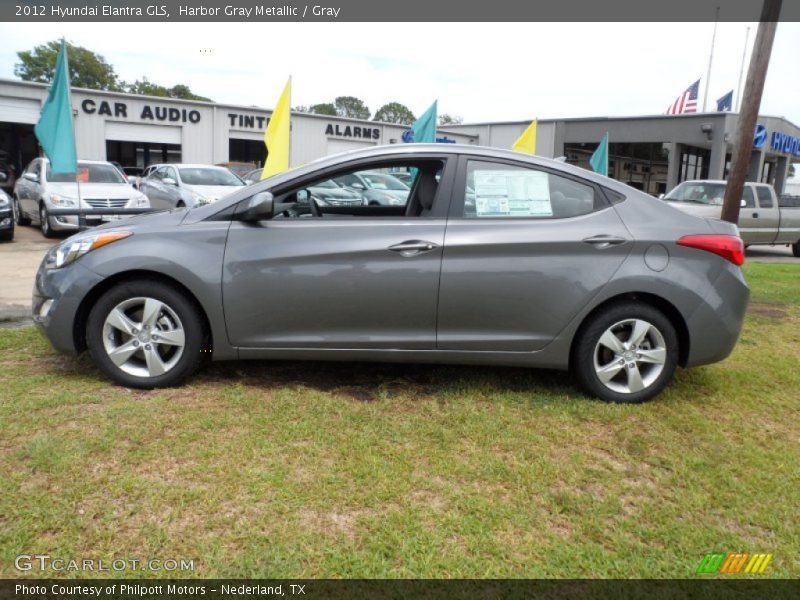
(102,186)
(377,188)
(178,185)
(548,265)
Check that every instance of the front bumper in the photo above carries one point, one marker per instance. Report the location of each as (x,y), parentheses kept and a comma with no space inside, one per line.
(6,218)
(57,298)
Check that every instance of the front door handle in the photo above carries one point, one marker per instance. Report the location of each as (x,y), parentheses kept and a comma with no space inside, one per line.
(755,215)
(413,247)
(604,241)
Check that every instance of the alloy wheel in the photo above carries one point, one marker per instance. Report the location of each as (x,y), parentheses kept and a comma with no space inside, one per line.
(144,337)
(630,356)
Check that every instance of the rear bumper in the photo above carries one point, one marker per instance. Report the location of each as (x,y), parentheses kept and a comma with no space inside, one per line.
(715,326)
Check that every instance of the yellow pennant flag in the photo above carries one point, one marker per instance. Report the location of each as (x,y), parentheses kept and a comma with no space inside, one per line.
(526,143)
(276,137)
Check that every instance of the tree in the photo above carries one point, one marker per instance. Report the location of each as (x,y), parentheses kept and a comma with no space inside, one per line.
(86,68)
(351,107)
(325,108)
(446,119)
(147,88)
(394,112)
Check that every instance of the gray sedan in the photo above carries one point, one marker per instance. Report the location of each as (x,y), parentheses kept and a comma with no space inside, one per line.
(547,265)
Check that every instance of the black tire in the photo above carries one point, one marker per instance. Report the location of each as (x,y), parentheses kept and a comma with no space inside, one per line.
(44,222)
(18,217)
(7,234)
(796,249)
(588,342)
(189,317)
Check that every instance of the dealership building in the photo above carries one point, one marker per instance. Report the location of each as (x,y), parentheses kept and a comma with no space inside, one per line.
(652,153)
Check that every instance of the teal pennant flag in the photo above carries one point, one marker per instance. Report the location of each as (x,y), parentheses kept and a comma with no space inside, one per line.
(599,160)
(424,128)
(54,129)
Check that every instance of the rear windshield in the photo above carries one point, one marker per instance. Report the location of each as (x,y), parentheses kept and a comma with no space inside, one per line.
(87,173)
(698,193)
(207,176)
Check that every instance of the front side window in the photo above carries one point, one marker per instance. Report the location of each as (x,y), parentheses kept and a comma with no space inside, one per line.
(747,196)
(366,192)
(764,196)
(497,190)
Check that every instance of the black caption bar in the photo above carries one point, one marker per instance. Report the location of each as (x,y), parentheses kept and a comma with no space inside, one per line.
(313,589)
(397,11)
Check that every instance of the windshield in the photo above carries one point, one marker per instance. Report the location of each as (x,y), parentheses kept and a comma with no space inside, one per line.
(87,173)
(379,181)
(208,176)
(699,193)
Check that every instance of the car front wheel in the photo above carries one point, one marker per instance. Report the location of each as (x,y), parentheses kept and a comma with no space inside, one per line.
(44,222)
(626,353)
(145,334)
(19,218)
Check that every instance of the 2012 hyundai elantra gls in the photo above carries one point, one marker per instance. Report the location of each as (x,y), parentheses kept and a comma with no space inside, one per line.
(495,258)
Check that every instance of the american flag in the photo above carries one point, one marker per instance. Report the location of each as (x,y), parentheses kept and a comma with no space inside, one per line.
(686,102)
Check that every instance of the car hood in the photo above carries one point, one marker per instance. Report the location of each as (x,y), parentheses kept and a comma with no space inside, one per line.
(340,193)
(708,211)
(213,192)
(94,190)
(152,220)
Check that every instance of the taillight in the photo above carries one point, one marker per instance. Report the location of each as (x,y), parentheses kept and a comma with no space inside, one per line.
(729,247)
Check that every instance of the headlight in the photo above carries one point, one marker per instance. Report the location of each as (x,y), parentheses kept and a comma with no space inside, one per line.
(3,199)
(140,201)
(63,201)
(199,200)
(72,249)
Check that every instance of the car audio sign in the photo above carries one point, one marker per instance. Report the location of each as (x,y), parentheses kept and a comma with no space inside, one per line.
(148,112)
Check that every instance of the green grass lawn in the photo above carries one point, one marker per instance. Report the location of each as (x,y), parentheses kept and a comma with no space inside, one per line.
(352,470)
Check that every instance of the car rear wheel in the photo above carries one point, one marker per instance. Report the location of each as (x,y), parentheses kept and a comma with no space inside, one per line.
(796,249)
(18,216)
(145,334)
(7,234)
(44,222)
(626,353)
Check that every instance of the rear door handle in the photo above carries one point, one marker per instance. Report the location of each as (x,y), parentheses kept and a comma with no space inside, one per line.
(413,247)
(604,241)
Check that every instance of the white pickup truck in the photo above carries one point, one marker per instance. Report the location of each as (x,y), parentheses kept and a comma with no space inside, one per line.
(761,218)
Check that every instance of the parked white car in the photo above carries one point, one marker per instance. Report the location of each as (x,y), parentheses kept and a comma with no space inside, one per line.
(761,218)
(102,186)
(177,185)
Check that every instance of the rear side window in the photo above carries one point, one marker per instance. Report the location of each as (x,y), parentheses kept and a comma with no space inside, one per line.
(764,196)
(496,190)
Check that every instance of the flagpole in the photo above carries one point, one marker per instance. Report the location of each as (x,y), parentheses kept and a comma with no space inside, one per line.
(710,58)
(81,216)
(741,70)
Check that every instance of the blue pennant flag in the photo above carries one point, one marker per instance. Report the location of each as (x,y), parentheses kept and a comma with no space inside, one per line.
(599,160)
(726,102)
(54,129)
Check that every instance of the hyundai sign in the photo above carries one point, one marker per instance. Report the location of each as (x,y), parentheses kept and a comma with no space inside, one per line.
(783,142)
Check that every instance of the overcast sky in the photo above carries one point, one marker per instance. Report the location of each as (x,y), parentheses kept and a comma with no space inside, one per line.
(482,72)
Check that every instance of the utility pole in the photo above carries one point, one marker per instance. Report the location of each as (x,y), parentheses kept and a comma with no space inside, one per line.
(751,101)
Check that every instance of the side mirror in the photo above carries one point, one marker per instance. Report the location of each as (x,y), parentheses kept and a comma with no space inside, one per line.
(302,197)
(3,177)
(743,204)
(169,181)
(31,177)
(661,196)
(259,207)
(358,186)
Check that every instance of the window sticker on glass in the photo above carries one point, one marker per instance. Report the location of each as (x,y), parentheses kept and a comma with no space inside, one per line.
(512,193)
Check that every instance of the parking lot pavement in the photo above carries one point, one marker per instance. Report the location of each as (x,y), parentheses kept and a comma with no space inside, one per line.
(776,254)
(19,261)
